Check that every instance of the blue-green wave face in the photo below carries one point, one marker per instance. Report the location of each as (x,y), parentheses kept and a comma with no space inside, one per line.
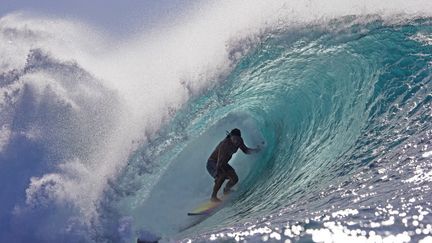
(343,114)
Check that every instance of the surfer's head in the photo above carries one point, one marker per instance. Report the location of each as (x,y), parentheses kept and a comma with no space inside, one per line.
(235,132)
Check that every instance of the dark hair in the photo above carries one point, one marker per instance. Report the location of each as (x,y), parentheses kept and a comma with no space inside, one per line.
(234,132)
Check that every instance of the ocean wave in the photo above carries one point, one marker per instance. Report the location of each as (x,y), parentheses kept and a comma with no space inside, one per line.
(103,139)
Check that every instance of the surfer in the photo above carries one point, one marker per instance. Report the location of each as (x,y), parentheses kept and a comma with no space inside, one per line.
(217,164)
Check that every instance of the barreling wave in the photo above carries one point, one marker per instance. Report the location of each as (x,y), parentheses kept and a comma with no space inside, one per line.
(341,108)
(94,147)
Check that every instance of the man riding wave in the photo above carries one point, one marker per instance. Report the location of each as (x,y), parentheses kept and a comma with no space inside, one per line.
(217,164)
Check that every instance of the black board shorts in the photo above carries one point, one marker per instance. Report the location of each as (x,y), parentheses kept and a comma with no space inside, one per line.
(212,168)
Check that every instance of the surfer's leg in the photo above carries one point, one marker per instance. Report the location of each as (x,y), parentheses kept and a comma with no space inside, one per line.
(211,167)
(233,179)
(218,183)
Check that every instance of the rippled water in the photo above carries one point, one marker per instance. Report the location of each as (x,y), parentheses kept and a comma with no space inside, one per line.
(345,113)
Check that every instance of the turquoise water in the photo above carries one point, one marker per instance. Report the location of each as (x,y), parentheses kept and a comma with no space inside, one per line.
(343,111)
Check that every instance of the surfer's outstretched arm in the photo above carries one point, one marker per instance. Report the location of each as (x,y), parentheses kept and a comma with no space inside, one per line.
(247,150)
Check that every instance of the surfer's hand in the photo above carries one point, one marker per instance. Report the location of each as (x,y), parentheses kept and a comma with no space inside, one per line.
(257,149)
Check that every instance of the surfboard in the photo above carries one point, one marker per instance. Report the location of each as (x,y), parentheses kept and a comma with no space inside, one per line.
(203,211)
(208,207)
(205,208)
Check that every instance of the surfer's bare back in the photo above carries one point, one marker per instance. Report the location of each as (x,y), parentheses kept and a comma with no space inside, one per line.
(217,164)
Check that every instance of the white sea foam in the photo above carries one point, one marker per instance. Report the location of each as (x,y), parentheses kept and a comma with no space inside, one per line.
(4,136)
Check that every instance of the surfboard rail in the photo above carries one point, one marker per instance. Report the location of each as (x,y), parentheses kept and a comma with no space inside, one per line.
(205,208)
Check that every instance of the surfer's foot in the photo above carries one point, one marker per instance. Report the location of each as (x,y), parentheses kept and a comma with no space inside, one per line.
(227,191)
(215,199)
